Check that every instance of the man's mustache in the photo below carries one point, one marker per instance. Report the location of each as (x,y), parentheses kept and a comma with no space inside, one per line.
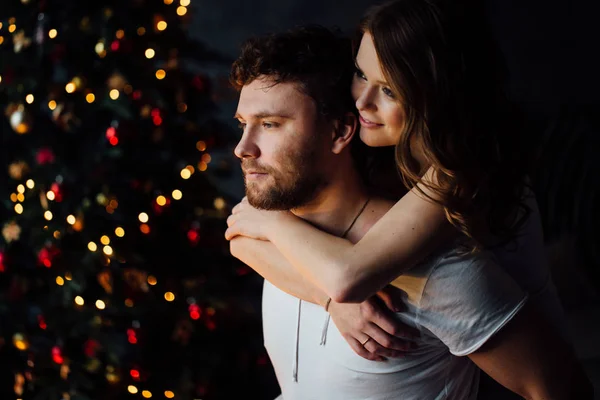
(254,166)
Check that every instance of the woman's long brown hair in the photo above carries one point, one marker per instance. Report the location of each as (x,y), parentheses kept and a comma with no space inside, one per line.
(442,65)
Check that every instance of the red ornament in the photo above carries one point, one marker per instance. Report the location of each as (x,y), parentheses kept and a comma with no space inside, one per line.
(131,337)
(195,311)
(111,132)
(135,374)
(90,347)
(58,195)
(41,322)
(57,356)
(156,118)
(211,326)
(193,236)
(44,156)
(47,255)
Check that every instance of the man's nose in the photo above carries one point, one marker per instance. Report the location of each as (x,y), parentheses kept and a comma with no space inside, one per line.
(364,101)
(246,147)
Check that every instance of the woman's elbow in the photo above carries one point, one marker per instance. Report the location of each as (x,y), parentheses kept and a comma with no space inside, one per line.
(346,288)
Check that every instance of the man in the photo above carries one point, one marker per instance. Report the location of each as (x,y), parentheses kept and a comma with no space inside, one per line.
(296,155)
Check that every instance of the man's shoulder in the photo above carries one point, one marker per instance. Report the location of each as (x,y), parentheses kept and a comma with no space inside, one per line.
(450,267)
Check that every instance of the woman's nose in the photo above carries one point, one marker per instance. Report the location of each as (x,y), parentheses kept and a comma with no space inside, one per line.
(364,100)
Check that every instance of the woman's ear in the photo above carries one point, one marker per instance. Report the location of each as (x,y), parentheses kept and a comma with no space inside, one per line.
(344,131)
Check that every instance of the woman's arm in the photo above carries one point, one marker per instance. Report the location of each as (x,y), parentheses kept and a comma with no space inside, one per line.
(268,262)
(348,272)
(356,322)
(528,357)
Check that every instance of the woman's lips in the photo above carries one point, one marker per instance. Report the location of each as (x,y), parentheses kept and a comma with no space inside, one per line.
(368,124)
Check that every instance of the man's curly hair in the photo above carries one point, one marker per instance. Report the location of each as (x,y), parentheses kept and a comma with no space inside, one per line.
(319,60)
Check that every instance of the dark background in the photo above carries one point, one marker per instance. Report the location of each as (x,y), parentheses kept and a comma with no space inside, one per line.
(550,50)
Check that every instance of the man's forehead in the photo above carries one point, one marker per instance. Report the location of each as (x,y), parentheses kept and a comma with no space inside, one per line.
(263,98)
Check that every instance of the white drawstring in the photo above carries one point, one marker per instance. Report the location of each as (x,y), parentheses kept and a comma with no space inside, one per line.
(295,366)
(324,331)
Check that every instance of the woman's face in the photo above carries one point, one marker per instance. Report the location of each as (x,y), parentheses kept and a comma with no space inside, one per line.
(381,115)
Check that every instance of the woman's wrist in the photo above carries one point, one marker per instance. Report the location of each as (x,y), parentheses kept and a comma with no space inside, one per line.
(276,224)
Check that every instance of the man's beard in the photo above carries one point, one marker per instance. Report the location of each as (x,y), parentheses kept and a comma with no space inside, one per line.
(297,182)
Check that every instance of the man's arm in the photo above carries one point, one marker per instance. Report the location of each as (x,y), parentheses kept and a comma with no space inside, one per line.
(529,358)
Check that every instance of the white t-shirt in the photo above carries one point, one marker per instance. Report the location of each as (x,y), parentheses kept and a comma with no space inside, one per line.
(457,302)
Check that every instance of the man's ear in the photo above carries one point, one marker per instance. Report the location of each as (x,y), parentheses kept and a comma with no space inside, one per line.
(344,131)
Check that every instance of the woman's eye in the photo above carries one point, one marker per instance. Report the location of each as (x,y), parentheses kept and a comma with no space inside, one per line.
(359,74)
(388,92)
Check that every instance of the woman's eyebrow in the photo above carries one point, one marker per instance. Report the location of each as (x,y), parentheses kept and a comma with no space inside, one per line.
(382,83)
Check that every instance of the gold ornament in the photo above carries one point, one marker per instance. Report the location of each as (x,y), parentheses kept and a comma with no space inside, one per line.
(20,41)
(111,375)
(20,342)
(18,169)
(137,279)
(64,371)
(116,81)
(105,280)
(93,365)
(19,118)
(11,232)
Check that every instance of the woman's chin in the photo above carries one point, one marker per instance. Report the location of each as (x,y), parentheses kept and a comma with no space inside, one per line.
(374,140)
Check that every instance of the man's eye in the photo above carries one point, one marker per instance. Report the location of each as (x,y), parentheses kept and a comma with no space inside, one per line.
(242,126)
(269,125)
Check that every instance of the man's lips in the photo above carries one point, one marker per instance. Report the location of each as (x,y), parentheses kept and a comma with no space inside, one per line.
(254,174)
(368,123)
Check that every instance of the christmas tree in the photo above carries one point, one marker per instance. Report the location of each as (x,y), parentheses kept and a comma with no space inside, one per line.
(116,281)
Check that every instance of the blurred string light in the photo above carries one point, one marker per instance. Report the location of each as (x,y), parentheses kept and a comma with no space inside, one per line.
(71,87)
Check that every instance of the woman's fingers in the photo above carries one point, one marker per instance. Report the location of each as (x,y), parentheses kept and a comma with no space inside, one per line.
(386,344)
(361,350)
(388,322)
(393,298)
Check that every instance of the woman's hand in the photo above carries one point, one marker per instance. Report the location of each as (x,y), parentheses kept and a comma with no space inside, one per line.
(251,222)
(373,322)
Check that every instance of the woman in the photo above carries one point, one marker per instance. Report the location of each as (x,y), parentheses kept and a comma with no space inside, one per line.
(426,84)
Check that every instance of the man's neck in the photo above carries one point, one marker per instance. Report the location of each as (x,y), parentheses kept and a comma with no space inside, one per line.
(336,206)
